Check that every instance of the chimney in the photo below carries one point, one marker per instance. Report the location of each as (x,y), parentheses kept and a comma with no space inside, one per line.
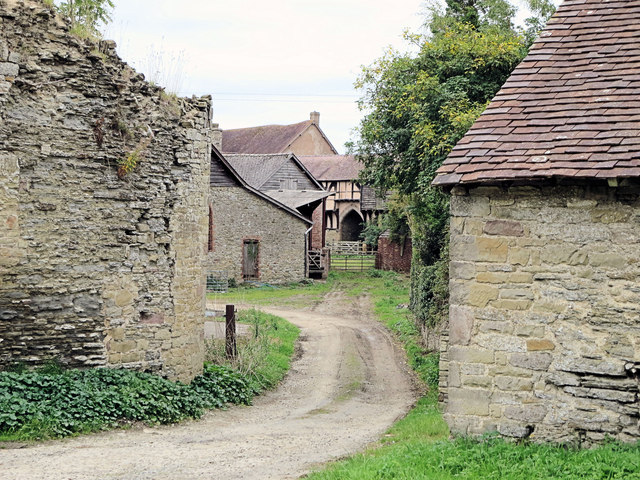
(315,118)
(216,136)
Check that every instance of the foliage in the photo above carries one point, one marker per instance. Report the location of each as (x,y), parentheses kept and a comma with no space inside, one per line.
(264,356)
(87,15)
(56,403)
(394,220)
(418,105)
(371,232)
(541,12)
(417,448)
(430,293)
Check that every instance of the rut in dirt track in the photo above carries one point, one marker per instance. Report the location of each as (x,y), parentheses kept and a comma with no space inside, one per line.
(347,386)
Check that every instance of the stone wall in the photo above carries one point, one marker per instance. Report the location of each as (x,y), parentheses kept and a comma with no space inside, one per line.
(394,256)
(97,266)
(544,338)
(239,214)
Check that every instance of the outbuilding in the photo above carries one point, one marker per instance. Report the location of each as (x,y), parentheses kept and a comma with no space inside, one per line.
(544,334)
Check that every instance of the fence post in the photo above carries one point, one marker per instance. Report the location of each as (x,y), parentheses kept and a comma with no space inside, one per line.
(231,348)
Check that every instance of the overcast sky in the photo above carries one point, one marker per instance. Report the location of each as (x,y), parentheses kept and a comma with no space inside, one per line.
(264,62)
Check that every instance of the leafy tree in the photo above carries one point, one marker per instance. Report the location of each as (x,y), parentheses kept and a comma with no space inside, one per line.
(86,15)
(419,105)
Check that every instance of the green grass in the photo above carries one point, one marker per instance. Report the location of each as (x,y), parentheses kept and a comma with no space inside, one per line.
(264,357)
(297,294)
(418,446)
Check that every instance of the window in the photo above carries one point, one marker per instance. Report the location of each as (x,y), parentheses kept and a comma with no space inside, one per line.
(210,240)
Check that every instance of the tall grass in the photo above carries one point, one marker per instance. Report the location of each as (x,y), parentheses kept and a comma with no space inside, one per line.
(264,355)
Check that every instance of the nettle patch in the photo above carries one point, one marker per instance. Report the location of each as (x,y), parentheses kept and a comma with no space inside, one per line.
(53,403)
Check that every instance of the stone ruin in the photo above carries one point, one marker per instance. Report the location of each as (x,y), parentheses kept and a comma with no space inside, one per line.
(103,205)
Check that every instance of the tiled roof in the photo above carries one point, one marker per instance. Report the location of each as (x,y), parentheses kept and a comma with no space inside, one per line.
(264,139)
(570,109)
(332,167)
(216,156)
(257,169)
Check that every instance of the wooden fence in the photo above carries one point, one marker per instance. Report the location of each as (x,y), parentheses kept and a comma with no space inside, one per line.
(352,256)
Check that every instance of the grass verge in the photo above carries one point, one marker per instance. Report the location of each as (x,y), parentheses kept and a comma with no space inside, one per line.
(264,356)
(51,402)
(418,446)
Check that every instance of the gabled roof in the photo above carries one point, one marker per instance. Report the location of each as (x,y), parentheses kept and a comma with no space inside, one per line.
(297,198)
(570,109)
(266,138)
(259,168)
(217,156)
(332,167)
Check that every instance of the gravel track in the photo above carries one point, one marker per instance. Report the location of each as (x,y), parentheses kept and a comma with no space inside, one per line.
(348,384)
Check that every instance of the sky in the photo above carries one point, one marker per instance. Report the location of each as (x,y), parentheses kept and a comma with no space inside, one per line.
(264,62)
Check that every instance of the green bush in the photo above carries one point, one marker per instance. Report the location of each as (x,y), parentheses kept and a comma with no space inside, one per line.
(46,404)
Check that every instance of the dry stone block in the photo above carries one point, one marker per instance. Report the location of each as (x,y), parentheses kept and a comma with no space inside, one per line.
(468,401)
(504,228)
(492,249)
(460,325)
(535,345)
(481,295)
(531,361)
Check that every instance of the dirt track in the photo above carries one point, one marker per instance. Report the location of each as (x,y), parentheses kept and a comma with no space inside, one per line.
(347,386)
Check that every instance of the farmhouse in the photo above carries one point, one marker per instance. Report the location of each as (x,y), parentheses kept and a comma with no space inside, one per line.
(254,234)
(103,205)
(352,204)
(544,335)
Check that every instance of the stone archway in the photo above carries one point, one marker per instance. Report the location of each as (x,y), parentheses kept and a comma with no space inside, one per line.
(351,226)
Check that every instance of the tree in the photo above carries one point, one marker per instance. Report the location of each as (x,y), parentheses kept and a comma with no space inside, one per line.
(86,15)
(419,105)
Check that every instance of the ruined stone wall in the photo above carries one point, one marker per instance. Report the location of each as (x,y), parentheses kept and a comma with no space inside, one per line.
(544,337)
(238,215)
(97,268)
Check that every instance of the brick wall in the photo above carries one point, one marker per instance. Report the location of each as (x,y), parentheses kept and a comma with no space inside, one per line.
(240,214)
(394,256)
(96,269)
(544,337)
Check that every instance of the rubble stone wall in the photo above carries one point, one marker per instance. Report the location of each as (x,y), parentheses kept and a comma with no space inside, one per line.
(238,215)
(97,268)
(544,336)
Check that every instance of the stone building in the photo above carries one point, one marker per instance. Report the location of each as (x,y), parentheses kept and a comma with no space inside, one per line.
(544,336)
(253,236)
(103,205)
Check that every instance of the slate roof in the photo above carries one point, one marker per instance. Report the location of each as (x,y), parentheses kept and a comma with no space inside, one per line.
(571,109)
(297,198)
(216,156)
(332,167)
(257,169)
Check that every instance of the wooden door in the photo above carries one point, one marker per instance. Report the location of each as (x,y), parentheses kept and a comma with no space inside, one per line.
(250,259)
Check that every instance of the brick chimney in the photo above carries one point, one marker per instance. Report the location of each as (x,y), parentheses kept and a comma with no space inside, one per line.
(315,118)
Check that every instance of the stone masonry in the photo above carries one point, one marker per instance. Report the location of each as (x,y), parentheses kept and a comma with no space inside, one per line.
(97,268)
(239,214)
(544,338)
